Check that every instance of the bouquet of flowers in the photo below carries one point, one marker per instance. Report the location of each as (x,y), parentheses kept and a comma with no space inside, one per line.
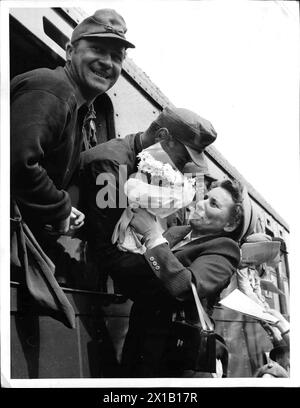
(159,188)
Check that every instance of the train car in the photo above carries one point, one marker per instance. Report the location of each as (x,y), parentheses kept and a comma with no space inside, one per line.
(42,347)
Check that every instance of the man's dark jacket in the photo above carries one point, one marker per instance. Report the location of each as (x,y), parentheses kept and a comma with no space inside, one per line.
(116,158)
(46,142)
(46,118)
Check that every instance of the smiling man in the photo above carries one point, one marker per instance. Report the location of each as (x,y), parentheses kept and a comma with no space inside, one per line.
(48,111)
(95,65)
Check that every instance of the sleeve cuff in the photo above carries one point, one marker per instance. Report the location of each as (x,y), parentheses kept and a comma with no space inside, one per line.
(155,242)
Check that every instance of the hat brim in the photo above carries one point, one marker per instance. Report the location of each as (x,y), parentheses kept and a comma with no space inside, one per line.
(113,36)
(194,169)
(249,216)
(198,158)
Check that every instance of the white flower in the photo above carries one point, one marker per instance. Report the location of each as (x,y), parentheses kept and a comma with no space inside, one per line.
(167,191)
(156,168)
(163,193)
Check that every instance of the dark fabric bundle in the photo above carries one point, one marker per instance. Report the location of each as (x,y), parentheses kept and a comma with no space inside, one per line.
(38,271)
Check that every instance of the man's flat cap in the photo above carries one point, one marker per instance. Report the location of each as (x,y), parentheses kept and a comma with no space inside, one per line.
(104,23)
(190,129)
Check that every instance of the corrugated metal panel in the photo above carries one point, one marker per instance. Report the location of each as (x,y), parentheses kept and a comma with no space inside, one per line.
(144,82)
(133,112)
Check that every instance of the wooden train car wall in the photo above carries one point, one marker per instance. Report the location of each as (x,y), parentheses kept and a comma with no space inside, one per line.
(42,347)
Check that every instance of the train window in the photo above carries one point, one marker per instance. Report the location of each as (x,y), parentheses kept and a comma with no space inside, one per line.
(54,33)
(27,52)
(64,14)
(269,232)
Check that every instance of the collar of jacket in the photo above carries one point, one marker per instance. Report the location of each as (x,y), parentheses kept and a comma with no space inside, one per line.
(176,234)
(138,143)
(77,93)
(205,238)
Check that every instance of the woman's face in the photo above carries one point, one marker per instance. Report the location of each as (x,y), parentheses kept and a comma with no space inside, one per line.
(213,213)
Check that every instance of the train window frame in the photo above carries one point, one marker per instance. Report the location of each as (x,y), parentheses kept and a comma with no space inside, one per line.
(54,33)
(38,54)
(269,232)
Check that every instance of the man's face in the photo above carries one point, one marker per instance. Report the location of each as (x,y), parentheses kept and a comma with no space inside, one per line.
(212,215)
(96,64)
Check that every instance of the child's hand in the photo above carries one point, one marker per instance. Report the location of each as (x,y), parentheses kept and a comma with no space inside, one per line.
(282,324)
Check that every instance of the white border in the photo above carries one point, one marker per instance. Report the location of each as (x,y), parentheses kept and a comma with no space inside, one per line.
(4,202)
(294,381)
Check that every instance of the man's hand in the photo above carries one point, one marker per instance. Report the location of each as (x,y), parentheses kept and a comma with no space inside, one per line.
(282,324)
(145,224)
(73,222)
(76,219)
(58,228)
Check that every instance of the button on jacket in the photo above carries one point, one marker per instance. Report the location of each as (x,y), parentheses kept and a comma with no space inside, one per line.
(45,142)
(209,261)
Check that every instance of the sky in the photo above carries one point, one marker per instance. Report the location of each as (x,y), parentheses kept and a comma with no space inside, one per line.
(235,63)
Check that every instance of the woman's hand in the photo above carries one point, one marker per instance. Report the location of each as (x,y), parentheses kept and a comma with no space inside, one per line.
(146,224)
(143,222)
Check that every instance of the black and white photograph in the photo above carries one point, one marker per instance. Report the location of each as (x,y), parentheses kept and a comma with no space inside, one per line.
(149,195)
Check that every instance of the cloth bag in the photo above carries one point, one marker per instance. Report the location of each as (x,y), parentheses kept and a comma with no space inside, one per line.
(38,270)
(192,346)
